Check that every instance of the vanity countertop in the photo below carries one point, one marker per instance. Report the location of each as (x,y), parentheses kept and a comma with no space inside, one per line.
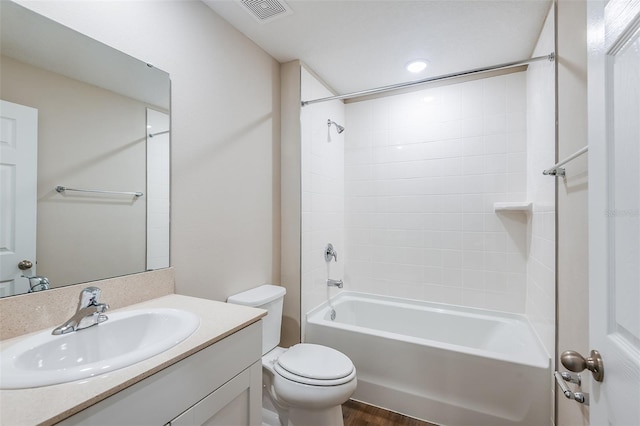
(50,404)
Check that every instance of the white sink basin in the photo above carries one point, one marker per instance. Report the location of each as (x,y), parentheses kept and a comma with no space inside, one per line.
(124,339)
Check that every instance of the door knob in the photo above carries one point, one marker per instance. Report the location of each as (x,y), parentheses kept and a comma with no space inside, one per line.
(25,264)
(575,362)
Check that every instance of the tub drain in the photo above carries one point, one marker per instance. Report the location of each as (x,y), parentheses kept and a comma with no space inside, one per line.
(333,314)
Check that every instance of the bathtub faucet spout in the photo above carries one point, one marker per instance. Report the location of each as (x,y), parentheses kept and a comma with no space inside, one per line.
(335,283)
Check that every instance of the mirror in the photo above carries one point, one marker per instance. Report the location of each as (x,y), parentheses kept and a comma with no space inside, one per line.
(79,115)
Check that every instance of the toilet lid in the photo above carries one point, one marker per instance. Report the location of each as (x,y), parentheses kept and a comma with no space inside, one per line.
(316,362)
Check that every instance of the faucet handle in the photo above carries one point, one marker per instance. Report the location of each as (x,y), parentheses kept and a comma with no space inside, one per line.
(330,252)
(41,282)
(89,296)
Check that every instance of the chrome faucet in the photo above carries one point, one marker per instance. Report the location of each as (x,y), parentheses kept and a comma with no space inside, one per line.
(335,283)
(88,313)
(41,283)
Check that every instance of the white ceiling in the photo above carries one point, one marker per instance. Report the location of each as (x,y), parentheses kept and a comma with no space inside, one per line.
(362,44)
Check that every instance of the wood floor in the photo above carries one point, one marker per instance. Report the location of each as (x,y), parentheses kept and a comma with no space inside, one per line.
(359,414)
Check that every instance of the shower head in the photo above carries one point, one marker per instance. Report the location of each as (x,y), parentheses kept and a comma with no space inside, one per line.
(339,128)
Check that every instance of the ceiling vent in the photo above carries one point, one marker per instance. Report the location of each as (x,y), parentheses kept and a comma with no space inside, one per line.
(266,10)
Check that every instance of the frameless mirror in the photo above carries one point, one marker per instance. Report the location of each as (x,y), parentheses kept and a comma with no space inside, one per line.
(84,157)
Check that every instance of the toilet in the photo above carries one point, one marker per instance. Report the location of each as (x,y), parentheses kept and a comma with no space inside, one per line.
(305,384)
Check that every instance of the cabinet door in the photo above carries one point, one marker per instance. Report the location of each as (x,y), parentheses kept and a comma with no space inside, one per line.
(236,403)
(169,392)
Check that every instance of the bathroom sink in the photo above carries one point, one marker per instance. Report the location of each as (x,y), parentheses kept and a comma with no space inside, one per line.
(124,339)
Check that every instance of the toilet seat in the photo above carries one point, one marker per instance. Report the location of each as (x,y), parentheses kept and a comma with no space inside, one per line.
(315,365)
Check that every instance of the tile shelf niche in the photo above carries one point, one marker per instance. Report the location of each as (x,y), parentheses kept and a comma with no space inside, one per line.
(512,206)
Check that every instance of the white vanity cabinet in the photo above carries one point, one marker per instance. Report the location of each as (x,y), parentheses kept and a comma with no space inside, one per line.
(229,405)
(219,385)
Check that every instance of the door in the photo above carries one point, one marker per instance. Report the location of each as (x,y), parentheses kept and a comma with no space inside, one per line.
(18,197)
(614,208)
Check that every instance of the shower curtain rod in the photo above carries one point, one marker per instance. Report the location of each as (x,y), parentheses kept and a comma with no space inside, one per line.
(550,57)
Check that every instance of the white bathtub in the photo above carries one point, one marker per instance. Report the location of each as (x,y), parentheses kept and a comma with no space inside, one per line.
(446,364)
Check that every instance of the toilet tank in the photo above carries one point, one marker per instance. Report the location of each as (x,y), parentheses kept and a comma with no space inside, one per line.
(271,298)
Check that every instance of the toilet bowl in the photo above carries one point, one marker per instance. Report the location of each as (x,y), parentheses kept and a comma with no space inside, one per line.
(307,383)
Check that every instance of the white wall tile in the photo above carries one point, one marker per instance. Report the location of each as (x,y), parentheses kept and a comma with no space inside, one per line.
(471,99)
(472,127)
(473,240)
(427,187)
(451,240)
(323,193)
(452,277)
(495,124)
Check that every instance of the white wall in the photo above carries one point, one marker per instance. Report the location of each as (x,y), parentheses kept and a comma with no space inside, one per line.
(291,202)
(225,209)
(573,227)
(422,173)
(322,192)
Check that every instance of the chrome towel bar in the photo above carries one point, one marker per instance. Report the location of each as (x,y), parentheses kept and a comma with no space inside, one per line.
(164,132)
(64,188)
(556,170)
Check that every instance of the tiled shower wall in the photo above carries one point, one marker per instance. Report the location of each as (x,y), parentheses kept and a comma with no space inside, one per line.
(322,193)
(541,147)
(422,173)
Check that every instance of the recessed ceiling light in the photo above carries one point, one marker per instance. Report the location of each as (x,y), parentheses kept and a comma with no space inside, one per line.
(417,65)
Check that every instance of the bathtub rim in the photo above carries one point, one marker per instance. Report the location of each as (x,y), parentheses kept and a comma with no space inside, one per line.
(316,317)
